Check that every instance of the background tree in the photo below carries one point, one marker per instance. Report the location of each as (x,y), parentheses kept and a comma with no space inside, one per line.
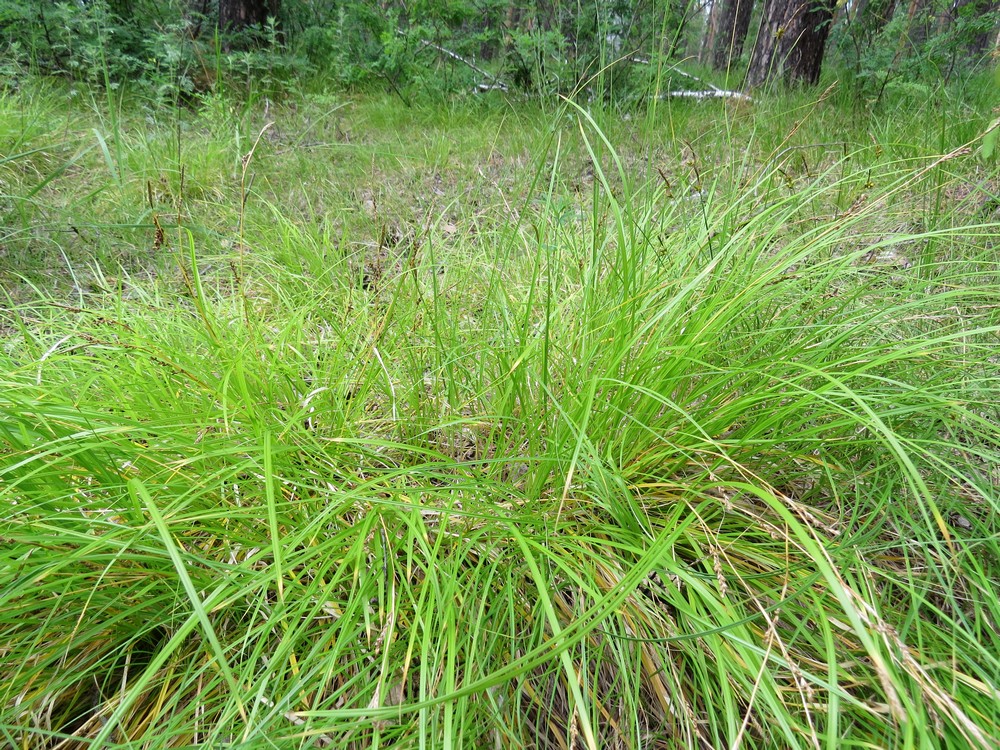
(732,24)
(975,21)
(236,15)
(791,41)
(612,49)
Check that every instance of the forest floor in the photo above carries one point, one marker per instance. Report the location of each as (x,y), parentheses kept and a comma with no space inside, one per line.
(328,421)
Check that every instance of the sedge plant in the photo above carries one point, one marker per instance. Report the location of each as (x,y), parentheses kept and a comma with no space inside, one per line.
(702,462)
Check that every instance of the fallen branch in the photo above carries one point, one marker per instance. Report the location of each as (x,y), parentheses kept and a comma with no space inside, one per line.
(495,83)
(713,94)
(696,78)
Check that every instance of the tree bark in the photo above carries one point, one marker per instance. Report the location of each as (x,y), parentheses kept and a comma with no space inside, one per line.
(979,44)
(711,32)
(914,32)
(237,15)
(791,41)
(733,24)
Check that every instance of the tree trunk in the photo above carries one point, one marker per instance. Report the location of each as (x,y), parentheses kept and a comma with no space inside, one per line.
(733,24)
(978,44)
(237,15)
(791,41)
(711,32)
(917,25)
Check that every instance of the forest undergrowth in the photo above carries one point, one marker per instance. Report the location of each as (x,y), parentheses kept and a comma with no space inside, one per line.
(327,422)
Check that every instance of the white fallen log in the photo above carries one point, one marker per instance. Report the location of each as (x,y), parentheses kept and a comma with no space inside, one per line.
(482,88)
(714,93)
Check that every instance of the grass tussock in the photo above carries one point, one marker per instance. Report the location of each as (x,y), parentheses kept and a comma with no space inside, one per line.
(559,438)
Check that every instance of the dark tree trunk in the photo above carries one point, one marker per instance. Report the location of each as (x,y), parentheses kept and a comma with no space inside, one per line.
(791,41)
(237,15)
(917,27)
(731,32)
(979,44)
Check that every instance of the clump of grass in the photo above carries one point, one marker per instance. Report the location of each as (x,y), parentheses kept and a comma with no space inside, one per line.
(654,464)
